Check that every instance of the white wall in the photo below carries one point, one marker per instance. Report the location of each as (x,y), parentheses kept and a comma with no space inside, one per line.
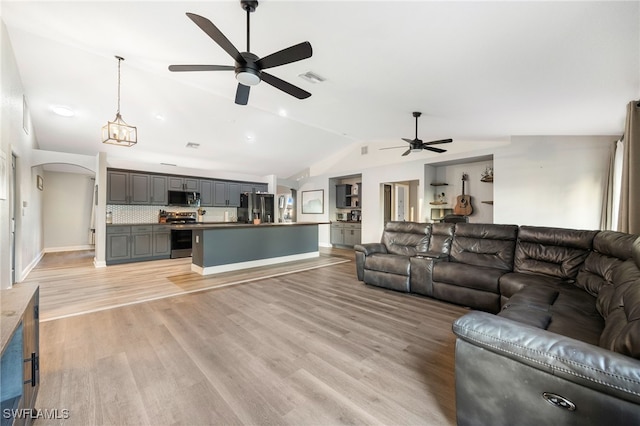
(538,180)
(67,211)
(551,180)
(14,139)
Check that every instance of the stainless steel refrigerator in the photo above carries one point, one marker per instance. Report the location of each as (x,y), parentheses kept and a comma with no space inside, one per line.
(256,206)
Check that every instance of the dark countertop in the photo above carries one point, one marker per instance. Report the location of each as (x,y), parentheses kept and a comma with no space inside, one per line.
(212,225)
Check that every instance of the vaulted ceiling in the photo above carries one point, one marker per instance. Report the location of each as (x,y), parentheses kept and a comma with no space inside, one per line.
(478,71)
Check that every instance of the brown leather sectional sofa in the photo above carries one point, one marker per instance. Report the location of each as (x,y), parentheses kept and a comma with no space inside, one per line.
(556,335)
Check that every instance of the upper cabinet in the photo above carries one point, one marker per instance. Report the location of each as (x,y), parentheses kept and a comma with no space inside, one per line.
(226,194)
(348,196)
(178,183)
(131,187)
(136,188)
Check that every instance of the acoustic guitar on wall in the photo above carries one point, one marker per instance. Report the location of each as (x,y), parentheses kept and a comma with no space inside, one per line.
(463,203)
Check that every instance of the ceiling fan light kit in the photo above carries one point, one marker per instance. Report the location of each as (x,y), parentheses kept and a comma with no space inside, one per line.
(249,68)
(118,132)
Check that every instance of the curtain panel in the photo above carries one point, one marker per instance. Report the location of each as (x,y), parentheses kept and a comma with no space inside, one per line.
(629,215)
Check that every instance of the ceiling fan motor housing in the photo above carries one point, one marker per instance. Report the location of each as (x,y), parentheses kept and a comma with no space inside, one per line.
(248,73)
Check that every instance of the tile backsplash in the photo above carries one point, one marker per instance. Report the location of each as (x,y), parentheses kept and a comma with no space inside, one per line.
(123,214)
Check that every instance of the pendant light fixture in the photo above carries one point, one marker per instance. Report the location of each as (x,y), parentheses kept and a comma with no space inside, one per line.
(117,132)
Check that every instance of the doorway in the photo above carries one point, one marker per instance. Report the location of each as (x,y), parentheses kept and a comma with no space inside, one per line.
(400,201)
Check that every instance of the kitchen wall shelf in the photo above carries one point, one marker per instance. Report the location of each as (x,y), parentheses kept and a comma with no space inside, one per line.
(487,202)
(439,184)
(488,179)
(438,203)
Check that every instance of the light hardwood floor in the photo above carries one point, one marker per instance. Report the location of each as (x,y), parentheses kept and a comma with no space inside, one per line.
(312,347)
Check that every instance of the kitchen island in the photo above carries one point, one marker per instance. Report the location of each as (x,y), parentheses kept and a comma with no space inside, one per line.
(225,247)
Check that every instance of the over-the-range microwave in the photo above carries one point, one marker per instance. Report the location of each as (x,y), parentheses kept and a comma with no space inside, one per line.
(184,199)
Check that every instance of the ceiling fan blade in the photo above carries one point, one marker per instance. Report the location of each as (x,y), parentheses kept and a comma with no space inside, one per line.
(217,36)
(438,150)
(289,88)
(407,152)
(242,94)
(438,142)
(181,68)
(286,56)
(392,147)
(408,140)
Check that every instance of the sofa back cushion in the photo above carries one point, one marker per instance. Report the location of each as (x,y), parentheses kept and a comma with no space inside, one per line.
(554,252)
(484,245)
(619,304)
(610,249)
(406,238)
(441,238)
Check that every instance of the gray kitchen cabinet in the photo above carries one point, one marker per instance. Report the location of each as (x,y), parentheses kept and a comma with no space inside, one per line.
(159,190)
(141,241)
(206,193)
(134,243)
(136,188)
(118,243)
(117,187)
(226,194)
(139,189)
(179,183)
(343,196)
(253,187)
(345,234)
(161,241)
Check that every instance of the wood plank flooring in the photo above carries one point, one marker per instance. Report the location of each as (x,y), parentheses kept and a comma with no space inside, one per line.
(306,348)
(71,285)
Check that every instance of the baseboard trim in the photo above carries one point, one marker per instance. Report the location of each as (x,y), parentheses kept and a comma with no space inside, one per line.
(208,270)
(30,266)
(69,248)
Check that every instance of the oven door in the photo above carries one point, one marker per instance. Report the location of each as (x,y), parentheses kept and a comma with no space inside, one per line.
(180,243)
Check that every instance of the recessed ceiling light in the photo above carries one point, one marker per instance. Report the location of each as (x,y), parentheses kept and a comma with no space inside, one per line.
(312,77)
(159,117)
(282,113)
(63,111)
(251,139)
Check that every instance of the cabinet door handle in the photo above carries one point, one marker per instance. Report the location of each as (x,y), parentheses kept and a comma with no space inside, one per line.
(34,368)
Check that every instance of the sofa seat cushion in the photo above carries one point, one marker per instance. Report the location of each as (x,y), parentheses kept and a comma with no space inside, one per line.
(476,277)
(560,308)
(390,263)
(513,282)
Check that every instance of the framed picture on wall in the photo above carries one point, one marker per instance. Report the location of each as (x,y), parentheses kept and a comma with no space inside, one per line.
(313,202)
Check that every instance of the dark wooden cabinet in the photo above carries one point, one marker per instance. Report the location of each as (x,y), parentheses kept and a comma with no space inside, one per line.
(139,189)
(254,187)
(206,193)
(161,241)
(343,196)
(141,241)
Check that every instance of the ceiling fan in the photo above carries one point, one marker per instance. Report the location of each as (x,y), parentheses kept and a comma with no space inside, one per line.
(416,145)
(248,66)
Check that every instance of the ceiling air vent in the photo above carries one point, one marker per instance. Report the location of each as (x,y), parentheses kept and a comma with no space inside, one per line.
(193,145)
(364,150)
(312,77)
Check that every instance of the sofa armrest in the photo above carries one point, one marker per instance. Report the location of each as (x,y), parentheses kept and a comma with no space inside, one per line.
(582,363)
(370,248)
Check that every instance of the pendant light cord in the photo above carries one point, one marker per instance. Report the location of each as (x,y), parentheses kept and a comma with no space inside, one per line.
(120,59)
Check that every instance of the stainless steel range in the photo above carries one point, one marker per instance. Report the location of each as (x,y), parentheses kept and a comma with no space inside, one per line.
(181,238)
